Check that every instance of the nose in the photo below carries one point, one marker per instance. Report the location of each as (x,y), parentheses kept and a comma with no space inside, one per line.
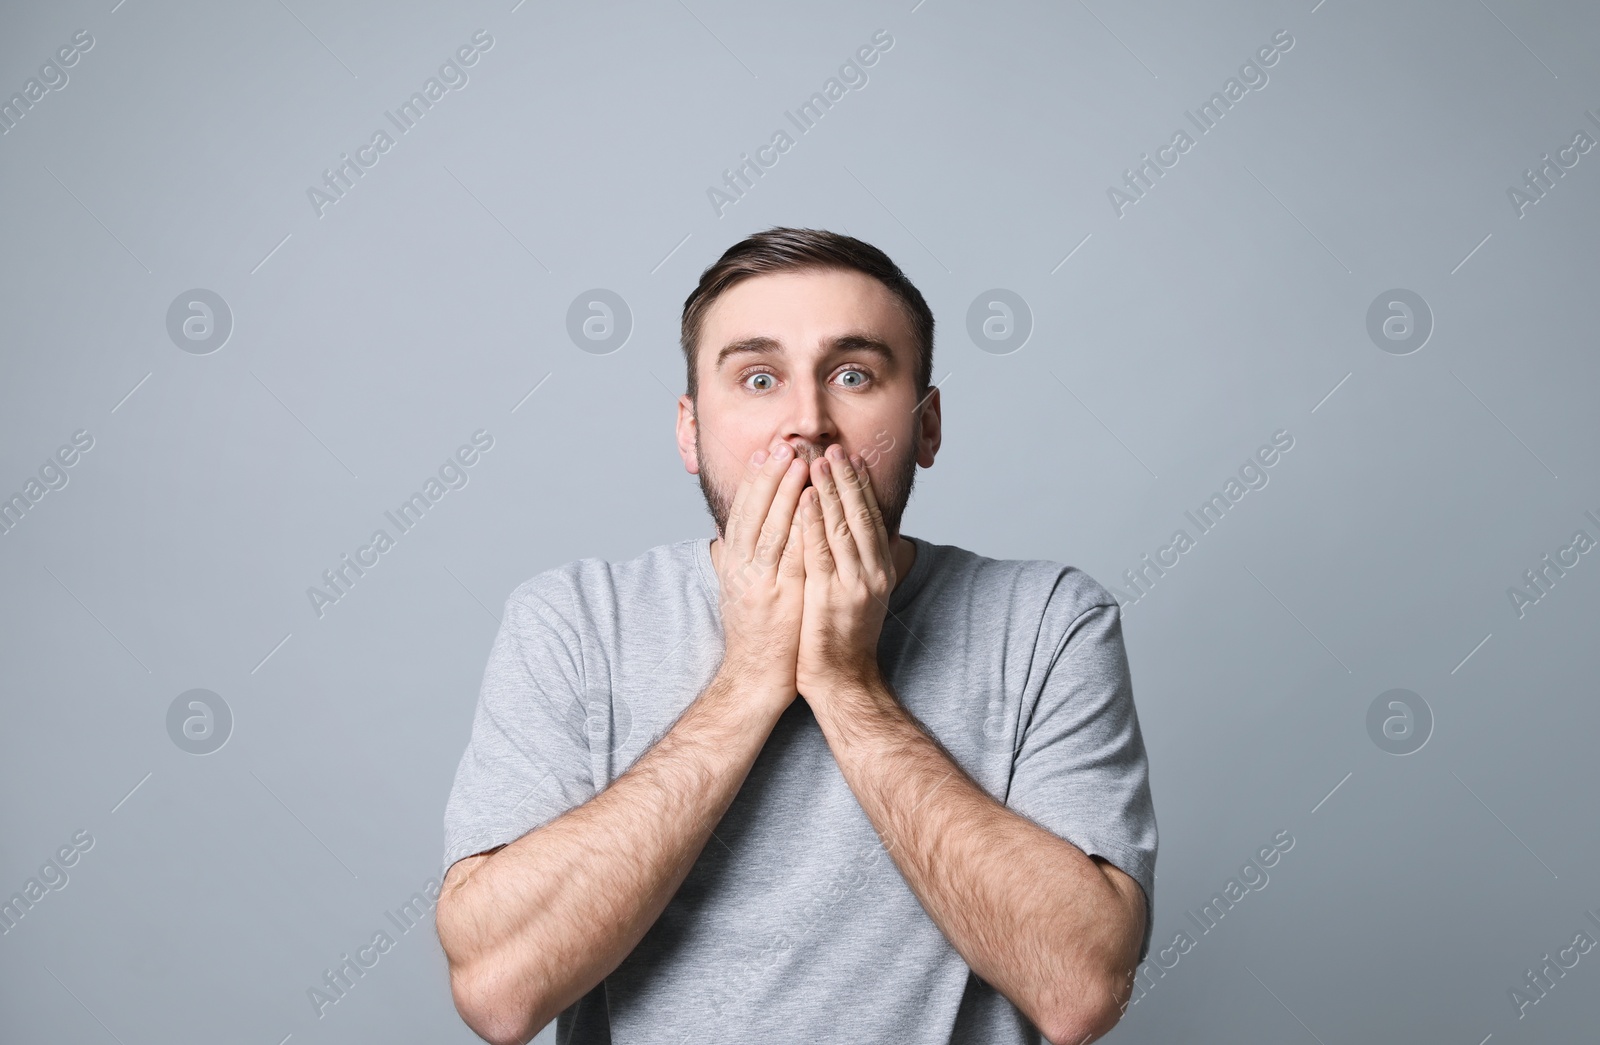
(808,426)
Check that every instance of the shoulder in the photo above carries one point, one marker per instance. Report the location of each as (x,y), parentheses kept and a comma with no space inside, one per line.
(575,595)
(1055,589)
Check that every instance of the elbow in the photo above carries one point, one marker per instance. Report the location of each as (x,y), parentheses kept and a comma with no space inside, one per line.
(1088,1021)
(1079,1028)
(1080,1031)
(492,1013)
(491,996)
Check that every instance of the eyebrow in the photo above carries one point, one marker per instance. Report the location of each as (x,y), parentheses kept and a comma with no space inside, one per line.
(836,346)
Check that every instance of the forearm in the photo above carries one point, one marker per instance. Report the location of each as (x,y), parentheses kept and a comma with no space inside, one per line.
(536,925)
(1027,910)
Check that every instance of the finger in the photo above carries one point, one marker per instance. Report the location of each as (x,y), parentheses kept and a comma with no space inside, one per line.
(793,563)
(780,516)
(819,557)
(858,514)
(736,511)
(761,482)
(871,496)
(842,543)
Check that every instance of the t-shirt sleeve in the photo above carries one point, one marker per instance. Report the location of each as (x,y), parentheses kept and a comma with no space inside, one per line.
(527,760)
(1081,770)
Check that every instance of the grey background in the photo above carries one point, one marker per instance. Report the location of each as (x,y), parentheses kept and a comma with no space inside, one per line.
(1227,304)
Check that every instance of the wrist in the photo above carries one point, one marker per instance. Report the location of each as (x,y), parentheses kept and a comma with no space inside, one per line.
(745,688)
(863,682)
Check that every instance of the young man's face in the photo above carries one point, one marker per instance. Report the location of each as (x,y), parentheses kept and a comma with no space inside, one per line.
(812,358)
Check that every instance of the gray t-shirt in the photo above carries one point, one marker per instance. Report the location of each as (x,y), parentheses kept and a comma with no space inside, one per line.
(795,925)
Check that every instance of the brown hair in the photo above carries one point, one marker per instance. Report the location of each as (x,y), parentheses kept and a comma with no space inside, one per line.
(785,249)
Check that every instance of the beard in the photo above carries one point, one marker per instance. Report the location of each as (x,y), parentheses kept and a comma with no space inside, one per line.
(892,489)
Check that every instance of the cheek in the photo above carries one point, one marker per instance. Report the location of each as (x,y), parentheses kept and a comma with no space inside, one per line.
(880,453)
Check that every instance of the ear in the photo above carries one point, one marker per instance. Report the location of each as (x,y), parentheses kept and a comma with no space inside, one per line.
(929,432)
(686,430)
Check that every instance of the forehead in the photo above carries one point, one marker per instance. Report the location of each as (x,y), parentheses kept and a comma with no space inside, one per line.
(800,308)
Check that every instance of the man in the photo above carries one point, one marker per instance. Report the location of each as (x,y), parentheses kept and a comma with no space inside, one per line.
(813,780)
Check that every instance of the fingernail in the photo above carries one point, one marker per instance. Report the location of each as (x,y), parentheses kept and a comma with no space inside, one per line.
(758,457)
(782,451)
